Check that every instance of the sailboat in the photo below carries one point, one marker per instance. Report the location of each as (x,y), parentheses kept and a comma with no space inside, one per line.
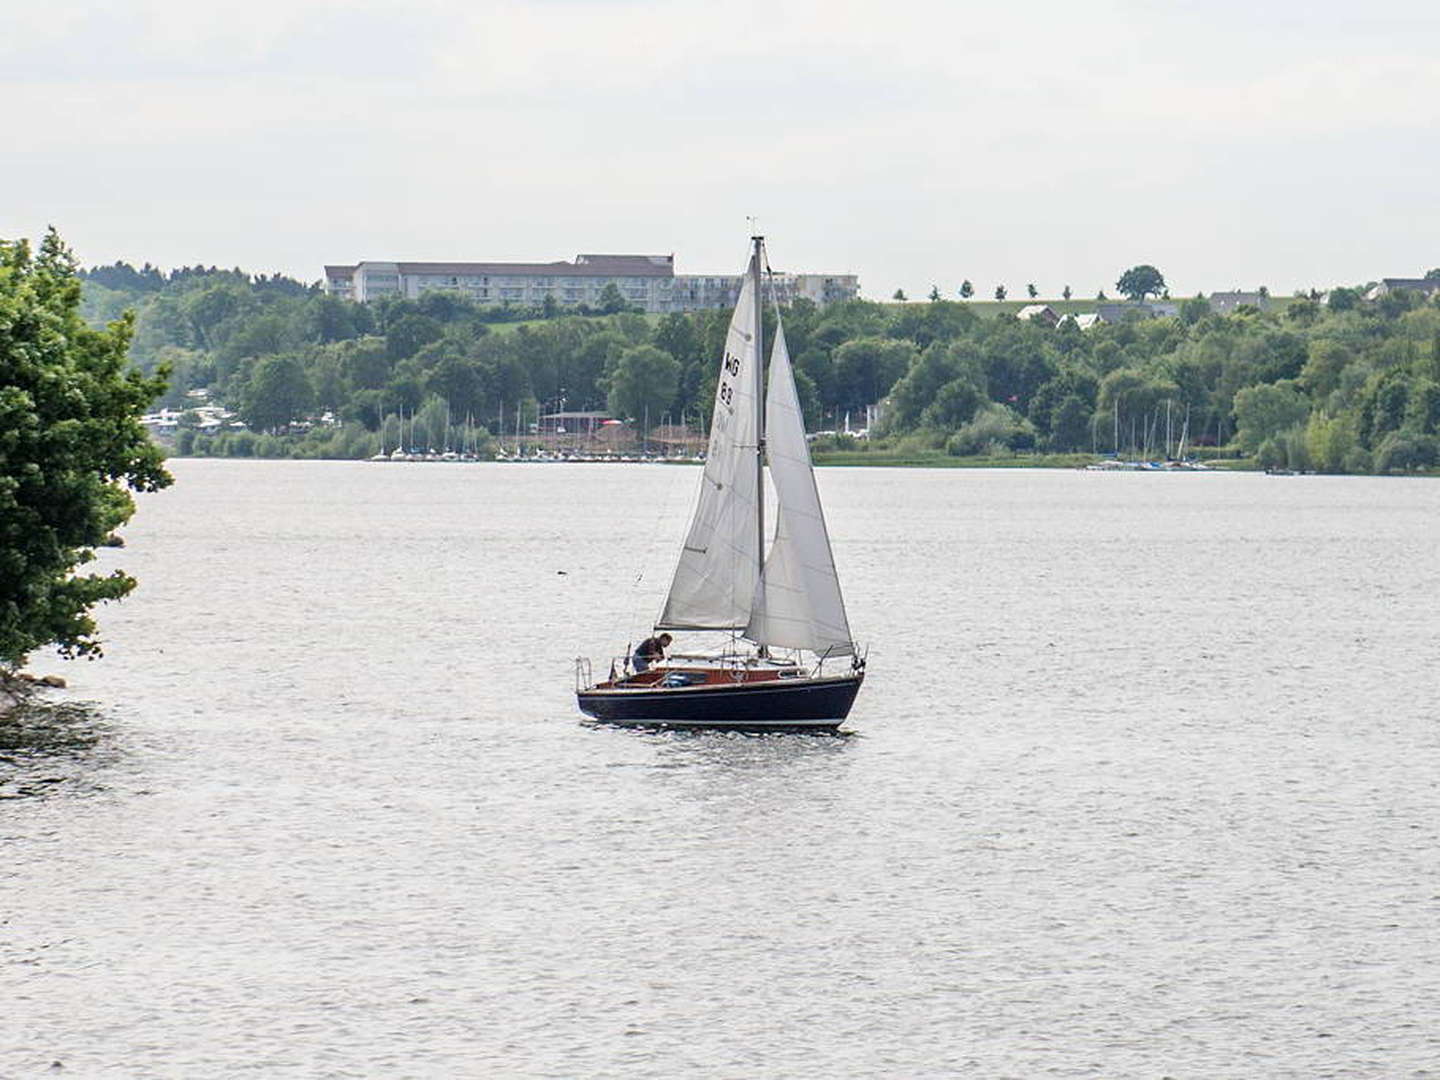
(781,611)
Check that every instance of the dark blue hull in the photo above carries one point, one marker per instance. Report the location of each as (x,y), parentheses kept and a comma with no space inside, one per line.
(774,705)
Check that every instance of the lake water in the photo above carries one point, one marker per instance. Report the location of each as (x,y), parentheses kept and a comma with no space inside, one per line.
(1142,783)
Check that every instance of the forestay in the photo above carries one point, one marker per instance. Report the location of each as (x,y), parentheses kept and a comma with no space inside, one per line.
(716,578)
(798,603)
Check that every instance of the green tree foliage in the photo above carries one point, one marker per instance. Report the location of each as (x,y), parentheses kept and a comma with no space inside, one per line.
(1343,299)
(954,404)
(278,393)
(1406,451)
(1073,390)
(1267,410)
(995,431)
(1070,424)
(938,368)
(1365,370)
(1141,281)
(1032,290)
(940,320)
(999,292)
(410,333)
(1194,309)
(643,384)
(866,368)
(967,290)
(70,444)
(611,299)
(1330,442)
(1326,359)
(899,295)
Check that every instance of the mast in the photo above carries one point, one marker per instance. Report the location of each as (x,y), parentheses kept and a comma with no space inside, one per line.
(759,242)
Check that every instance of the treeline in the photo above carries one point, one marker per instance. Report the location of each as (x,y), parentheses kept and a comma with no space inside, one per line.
(1332,384)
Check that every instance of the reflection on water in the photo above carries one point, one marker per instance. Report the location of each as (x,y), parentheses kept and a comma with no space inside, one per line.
(46,744)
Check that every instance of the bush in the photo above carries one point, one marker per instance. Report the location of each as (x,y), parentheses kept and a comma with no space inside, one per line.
(996,431)
(1297,451)
(919,443)
(1271,454)
(1406,451)
(271,446)
(1358,461)
(237,444)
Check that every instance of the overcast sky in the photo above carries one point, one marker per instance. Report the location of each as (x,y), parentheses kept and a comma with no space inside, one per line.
(909,143)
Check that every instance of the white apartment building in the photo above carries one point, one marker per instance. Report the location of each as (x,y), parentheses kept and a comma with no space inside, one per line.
(645,281)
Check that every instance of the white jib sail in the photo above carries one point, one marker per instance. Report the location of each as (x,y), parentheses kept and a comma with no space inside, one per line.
(714,582)
(798,603)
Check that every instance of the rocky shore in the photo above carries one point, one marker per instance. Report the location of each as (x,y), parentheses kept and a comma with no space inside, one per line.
(17,687)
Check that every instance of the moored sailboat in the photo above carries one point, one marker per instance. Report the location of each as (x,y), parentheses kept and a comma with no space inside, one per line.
(781,611)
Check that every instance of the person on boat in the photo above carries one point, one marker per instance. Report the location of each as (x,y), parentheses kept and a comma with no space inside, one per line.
(650,651)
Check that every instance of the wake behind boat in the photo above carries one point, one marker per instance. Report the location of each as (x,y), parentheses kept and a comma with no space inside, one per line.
(788,660)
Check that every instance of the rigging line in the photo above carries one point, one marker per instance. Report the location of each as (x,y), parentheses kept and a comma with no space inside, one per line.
(663,510)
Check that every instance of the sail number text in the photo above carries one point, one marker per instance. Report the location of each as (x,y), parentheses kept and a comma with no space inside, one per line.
(731,367)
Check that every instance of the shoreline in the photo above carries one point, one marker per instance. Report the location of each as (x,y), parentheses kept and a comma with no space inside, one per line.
(879,460)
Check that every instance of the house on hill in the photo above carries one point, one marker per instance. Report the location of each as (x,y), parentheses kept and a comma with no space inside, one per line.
(1117,313)
(1085,320)
(1427,287)
(1224,303)
(1041,312)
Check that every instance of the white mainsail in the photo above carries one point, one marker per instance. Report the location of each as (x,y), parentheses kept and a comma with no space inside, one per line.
(797,603)
(714,583)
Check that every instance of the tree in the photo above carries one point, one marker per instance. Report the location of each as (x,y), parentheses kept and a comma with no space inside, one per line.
(955,404)
(899,295)
(966,289)
(1193,310)
(365,363)
(1065,292)
(1140,281)
(1325,360)
(70,437)
(1267,410)
(1343,299)
(1330,441)
(457,381)
(999,292)
(409,334)
(278,392)
(612,302)
(1405,451)
(643,383)
(936,367)
(1070,424)
(1032,290)
(867,367)
(934,293)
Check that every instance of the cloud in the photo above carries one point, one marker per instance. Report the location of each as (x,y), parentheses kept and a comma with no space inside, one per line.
(919,142)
